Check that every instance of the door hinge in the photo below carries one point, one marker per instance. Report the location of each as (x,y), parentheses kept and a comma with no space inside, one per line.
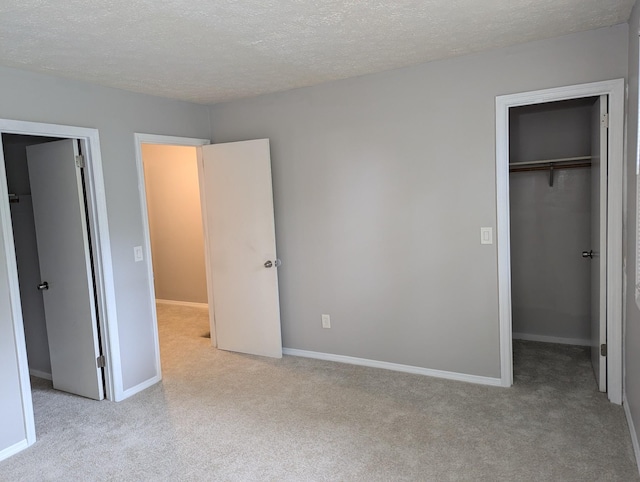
(604,121)
(603,349)
(80,161)
(100,360)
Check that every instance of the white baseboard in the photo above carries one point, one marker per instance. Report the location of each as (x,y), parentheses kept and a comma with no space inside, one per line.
(138,388)
(40,374)
(461,377)
(551,339)
(632,430)
(189,304)
(13,449)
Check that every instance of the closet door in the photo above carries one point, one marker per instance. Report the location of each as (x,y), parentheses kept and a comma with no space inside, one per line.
(65,267)
(599,150)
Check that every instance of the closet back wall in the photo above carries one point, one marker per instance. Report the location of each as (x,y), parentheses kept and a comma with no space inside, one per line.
(550,225)
(175,222)
(24,234)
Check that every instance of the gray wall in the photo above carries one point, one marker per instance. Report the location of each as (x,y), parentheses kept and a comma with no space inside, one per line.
(24,235)
(550,225)
(632,325)
(117,115)
(381,185)
(550,131)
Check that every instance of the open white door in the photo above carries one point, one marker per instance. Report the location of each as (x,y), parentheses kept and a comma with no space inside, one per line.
(65,267)
(598,253)
(240,239)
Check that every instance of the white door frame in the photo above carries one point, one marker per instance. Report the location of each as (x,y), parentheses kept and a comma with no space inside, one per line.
(105,293)
(615,90)
(169,141)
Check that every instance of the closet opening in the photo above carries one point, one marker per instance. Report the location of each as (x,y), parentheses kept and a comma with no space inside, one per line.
(558,231)
(54,249)
(24,235)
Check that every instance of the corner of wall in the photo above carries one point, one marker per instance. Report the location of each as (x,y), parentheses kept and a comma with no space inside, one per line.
(210,115)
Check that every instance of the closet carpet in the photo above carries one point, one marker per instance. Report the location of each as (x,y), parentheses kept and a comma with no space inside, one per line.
(227,416)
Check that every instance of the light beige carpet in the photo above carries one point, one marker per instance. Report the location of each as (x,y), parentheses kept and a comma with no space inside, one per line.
(226,416)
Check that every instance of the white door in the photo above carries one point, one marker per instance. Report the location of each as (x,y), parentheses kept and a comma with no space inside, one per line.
(65,265)
(599,149)
(240,238)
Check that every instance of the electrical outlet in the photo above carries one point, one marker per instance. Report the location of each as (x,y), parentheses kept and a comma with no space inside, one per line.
(326,321)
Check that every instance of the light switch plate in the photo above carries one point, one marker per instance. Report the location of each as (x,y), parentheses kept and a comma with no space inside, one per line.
(486,235)
(326,321)
(137,253)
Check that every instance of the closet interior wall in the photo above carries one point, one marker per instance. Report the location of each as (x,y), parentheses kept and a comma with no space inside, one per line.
(24,235)
(550,224)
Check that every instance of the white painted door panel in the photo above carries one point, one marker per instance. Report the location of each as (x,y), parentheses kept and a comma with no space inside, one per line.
(65,264)
(599,149)
(240,233)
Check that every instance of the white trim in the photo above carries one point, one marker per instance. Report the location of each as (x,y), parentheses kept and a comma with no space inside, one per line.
(13,449)
(615,90)
(141,386)
(40,374)
(503,242)
(460,377)
(140,139)
(188,304)
(104,278)
(552,339)
(615,233)
(632,430)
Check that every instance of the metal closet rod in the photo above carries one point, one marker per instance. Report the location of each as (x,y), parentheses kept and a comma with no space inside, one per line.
(547,167)
(515,165)
(551,164)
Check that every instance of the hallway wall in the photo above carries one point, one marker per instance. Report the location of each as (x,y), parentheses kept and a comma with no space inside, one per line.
(175,222)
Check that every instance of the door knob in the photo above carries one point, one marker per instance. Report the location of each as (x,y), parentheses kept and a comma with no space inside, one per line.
(587,254)
(268,264)
(43,286)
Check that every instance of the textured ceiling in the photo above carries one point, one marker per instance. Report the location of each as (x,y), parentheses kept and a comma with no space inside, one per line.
(209,51)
